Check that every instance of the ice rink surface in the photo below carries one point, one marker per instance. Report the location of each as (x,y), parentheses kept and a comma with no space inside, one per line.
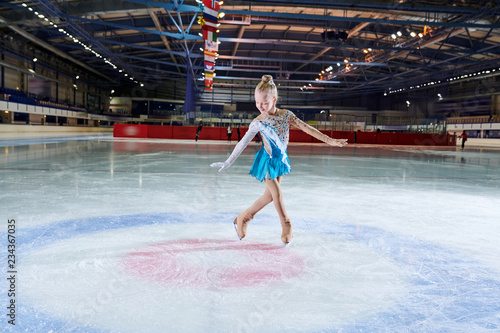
(124,235)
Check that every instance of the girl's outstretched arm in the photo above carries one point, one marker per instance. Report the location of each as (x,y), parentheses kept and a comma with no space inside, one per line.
(317,134)
(247,138)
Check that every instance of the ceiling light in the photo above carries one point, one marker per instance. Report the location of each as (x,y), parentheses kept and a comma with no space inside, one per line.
(413,34)
(394,36)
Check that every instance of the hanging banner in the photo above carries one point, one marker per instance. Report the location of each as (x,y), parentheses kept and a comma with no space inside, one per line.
(209,24)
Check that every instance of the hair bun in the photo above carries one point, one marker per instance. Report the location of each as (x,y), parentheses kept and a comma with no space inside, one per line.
(267,78)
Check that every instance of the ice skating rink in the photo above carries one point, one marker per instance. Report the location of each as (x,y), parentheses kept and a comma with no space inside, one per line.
(123,235)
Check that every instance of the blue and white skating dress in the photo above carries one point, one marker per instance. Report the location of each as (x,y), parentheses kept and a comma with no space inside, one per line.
(271,160)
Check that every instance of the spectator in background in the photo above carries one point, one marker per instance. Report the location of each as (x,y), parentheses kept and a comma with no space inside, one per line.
(464,138)
(239,133)
(200,126)
(229,133)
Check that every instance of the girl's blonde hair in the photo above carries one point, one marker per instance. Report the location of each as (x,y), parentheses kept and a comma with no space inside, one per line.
(267,85)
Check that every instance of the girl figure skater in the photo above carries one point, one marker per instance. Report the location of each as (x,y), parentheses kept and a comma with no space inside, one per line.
(271,161)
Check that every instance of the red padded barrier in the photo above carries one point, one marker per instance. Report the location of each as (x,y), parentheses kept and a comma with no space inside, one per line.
(387,139)
(409,139)
(184,132)
(130,131)
(160,132)
(210,133)
(344,135)
(366,137)
(297,135)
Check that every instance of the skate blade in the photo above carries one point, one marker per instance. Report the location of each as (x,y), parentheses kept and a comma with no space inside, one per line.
(236,229)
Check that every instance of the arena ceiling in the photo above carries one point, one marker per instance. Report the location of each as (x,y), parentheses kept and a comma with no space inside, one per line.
(316,50)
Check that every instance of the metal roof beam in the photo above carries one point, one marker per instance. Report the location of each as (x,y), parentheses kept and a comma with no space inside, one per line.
(361,19)
(390,5)
(54,50)
(163,38)
(127,27)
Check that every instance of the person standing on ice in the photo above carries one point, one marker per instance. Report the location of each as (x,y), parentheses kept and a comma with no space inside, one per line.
(271,161)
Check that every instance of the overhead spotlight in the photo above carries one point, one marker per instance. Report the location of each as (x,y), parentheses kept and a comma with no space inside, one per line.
(112,91)
(365,51)
(221,15)
(369,50)
(338,64)
(31,71)
(399,33)
(77,77)
(408,103)
(346,61)
(35,59)
(41,16)
(30,9)
(142,84)
(25,5)
(413,34)
(420,35)
(201,49)
(394,36)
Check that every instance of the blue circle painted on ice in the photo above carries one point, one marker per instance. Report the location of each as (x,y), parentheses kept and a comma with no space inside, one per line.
(448,290)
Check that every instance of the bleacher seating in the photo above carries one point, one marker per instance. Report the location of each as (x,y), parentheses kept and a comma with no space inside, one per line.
(21,97)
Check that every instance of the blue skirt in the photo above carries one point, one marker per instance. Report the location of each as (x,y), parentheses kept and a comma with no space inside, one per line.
(265,167)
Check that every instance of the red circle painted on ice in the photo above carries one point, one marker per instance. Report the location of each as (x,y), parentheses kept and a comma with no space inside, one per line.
(213,262)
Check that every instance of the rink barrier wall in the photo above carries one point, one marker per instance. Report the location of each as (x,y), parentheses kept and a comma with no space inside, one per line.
(296,135)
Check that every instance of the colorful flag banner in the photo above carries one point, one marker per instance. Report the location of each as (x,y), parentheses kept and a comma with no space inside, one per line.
(209,25)
(210,14)
(211,46)
(209,66)
(209,82)
(209,35)
(212,4)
